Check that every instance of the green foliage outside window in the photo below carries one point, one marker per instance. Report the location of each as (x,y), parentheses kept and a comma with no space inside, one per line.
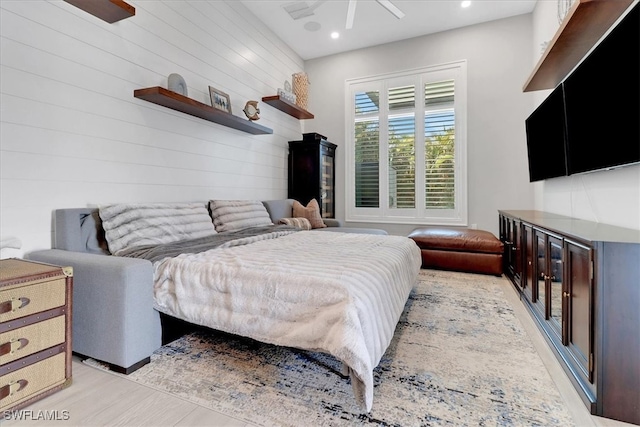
(439,160)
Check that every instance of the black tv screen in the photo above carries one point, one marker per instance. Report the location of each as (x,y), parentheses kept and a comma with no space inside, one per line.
(602,97)
(546,133)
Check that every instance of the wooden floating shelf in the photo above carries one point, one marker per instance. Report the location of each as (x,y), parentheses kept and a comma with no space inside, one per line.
(108,10)
(166,98)
(288,107)
(586,22)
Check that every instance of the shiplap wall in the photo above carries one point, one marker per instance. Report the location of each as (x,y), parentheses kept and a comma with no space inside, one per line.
(73,135)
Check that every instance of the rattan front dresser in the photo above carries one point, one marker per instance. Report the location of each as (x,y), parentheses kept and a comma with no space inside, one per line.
(35,331)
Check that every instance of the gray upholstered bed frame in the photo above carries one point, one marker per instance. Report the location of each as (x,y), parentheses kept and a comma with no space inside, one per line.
(113,318)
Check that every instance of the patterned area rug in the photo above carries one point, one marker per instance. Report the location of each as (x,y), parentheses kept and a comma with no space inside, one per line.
(459,357)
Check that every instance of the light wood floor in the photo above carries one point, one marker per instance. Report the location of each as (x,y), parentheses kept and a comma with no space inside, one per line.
(98,398)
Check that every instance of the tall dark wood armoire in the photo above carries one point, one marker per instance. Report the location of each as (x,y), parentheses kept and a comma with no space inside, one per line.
(312,172)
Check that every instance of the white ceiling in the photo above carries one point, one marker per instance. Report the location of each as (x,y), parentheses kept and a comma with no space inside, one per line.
(373,24)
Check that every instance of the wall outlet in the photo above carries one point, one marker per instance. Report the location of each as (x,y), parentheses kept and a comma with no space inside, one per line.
(474,226)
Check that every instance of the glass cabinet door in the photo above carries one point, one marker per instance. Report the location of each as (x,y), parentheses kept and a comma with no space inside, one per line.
(327,190)
(513,250)
(311,173)
(540,283)
(528,277)
(578,300)
(554,276)
(549,276)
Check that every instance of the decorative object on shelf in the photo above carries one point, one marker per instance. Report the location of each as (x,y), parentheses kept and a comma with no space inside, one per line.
(287,86)
(287,95)
(301,88)
(251,110)
(176,83)
(563,9)
(543,46)
(220,100)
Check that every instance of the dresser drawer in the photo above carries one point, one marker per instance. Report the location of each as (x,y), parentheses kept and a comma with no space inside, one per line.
(22,342)
(19,300)
(33,380)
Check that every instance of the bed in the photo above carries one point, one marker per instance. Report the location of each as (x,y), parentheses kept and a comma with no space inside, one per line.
(338,293)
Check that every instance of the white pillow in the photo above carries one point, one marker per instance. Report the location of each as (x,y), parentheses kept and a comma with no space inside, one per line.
(130,225)
(235,215)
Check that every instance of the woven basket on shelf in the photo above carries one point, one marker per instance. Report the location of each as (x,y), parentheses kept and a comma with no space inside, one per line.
(300,83)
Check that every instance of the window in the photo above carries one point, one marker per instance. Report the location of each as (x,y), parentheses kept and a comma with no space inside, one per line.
(406,147)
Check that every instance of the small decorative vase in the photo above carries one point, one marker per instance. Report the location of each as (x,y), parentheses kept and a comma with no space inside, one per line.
(176,83)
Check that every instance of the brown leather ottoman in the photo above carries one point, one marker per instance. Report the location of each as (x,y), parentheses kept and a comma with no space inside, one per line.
(459,249)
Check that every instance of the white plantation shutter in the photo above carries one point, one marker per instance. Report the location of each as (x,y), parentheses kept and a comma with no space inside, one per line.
(401,147)
(439,93)
(402,161)
(402,98)
(407,147)
(439,132)
(367,149)
(367,103)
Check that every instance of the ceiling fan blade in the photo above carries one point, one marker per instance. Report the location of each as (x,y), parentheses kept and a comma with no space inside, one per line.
(391,8)
(351,14)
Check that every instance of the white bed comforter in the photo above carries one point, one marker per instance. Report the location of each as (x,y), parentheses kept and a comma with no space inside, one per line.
(338,293)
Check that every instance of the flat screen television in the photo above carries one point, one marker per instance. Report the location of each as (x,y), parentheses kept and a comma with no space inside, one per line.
(546,135)
(602,102)
(591,121)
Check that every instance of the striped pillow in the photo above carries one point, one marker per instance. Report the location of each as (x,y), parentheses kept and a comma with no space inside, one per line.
(131,225)
(302,223)
(236,215)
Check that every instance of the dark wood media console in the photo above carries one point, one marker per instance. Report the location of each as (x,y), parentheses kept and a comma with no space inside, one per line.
(580,280)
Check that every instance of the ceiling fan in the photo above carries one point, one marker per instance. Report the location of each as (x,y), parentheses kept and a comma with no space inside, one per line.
(300,10)
(351,11)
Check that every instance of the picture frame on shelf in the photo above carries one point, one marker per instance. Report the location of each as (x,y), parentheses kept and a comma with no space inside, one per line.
(220,100)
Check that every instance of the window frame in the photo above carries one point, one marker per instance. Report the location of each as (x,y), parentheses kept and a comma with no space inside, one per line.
(458,216)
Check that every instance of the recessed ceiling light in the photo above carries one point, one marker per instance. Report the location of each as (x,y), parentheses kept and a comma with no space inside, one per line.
(335,35)
(466,3)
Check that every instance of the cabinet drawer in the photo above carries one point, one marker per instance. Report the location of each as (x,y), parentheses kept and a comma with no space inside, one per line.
(19,300)
(32,380)
(21,342)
